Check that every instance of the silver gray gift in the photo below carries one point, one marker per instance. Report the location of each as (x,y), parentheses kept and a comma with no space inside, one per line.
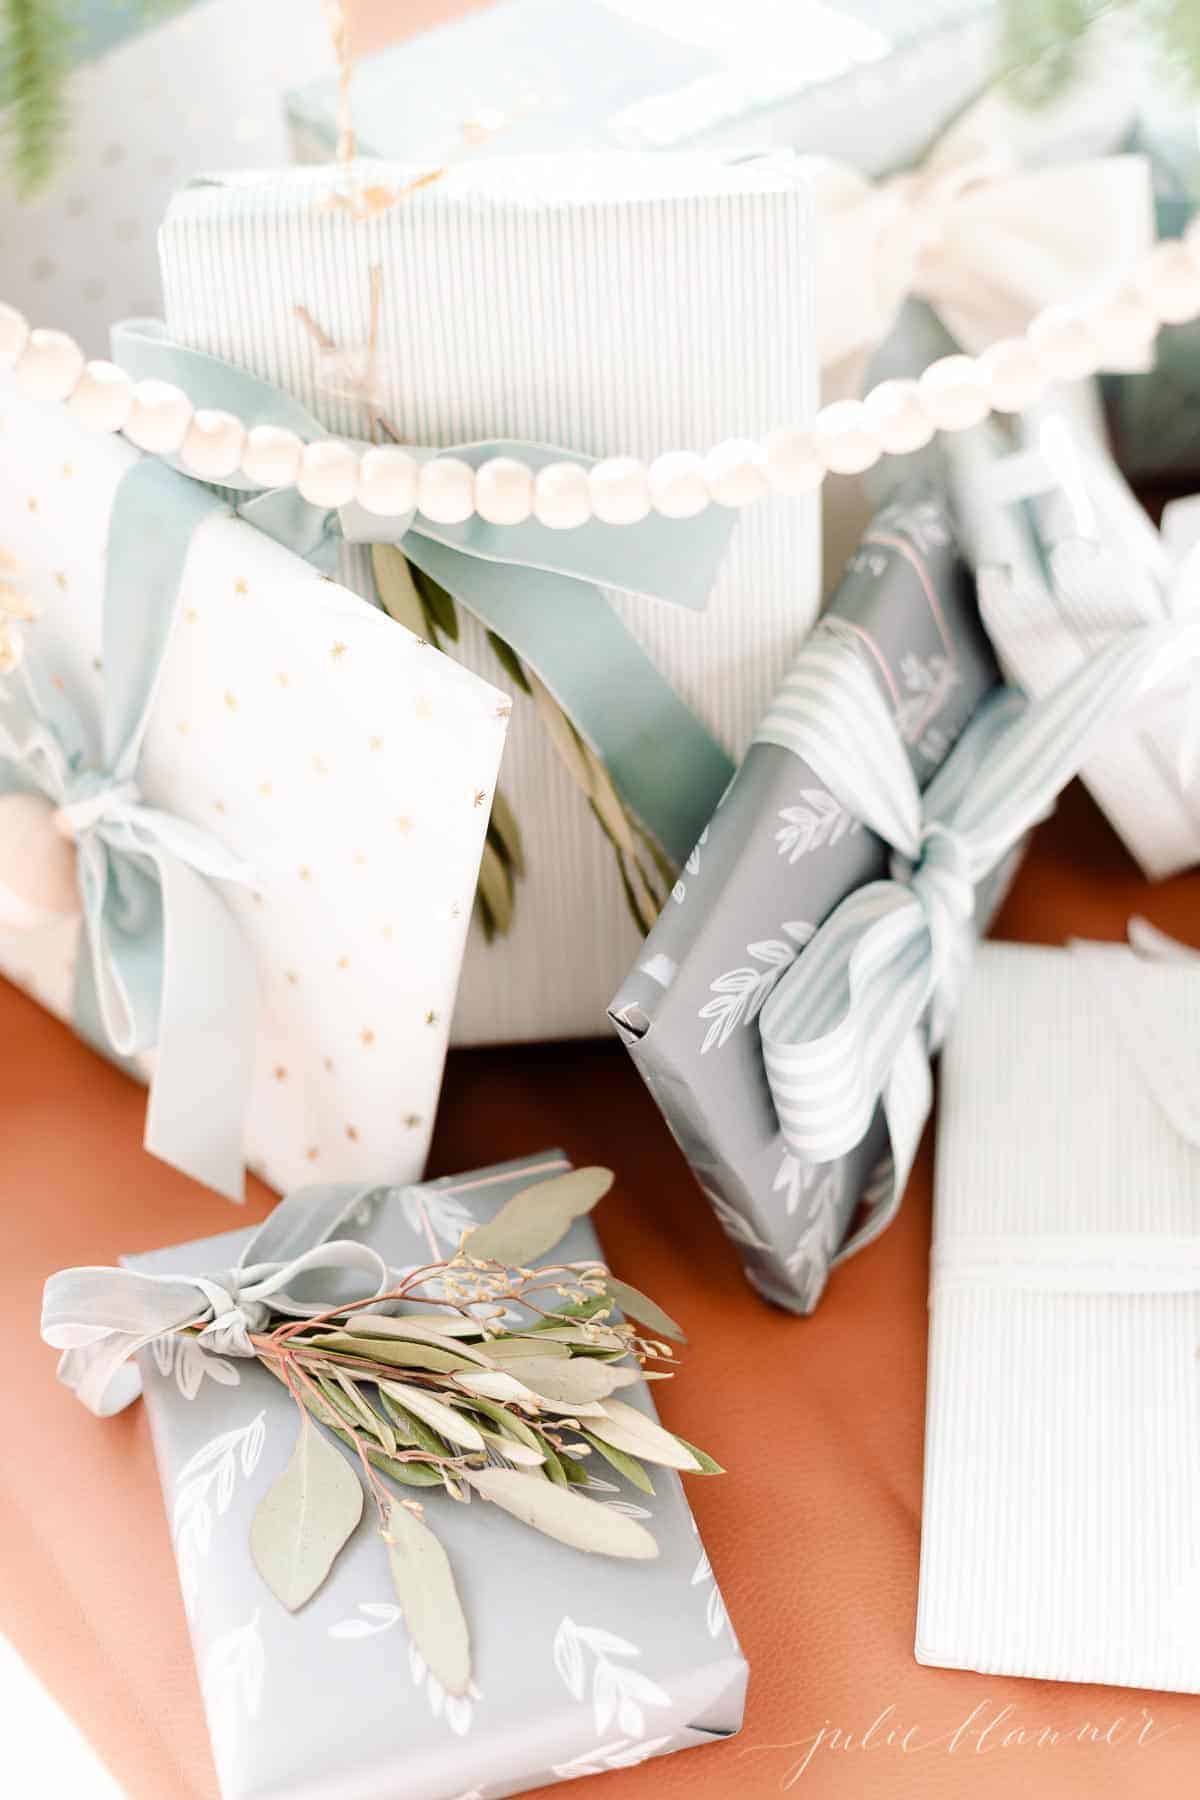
(778,856)
(581,1663)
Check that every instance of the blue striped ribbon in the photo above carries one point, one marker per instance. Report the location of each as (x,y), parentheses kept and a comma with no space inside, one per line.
(854,1020)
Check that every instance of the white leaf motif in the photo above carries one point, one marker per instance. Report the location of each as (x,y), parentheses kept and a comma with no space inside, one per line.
(232,1677)
(618,1691)
(732,1222)
(819,823)
(207,1481)
(191,1364)
(620,1754)
(740,994)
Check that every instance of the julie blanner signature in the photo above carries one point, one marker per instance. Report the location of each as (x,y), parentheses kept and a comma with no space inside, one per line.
(988,1729)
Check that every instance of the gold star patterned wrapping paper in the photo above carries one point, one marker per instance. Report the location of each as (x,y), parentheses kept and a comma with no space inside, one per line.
(351,765)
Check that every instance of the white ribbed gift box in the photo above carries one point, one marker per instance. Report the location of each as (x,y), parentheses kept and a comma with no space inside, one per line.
(605,303)
(347,765)
(198,88)
(1062,1457)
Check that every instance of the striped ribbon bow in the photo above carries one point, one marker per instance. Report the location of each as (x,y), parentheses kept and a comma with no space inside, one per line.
(854,1020)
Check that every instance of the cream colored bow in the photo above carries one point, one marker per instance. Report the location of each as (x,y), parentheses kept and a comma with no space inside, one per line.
(985,237)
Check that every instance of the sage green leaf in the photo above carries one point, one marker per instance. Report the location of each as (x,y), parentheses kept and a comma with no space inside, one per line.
(494,1384)
(507,1422)
(424,1584)
(437,602)
(397,592)
(401,1353)
(594,1340)
(570,1518)
(708,1464)
(577,1381)
(504,828)
(406,1324)
(304,1518)
(370,1418)
(412,1474)
(508,1447)
(611,813)
(640,1306)
(576,1474)
(339,1412)
(413,1430)
(444,1420)
(627,1429)
(533,1221)
(420,1331)
(552,1469)
(628,1466)
(562,734)
(496,889)
(509,661)
(570,1309)
(507,1352)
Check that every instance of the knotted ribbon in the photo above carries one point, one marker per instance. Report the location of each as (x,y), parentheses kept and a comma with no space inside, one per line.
(294,1265)
(162,964)
(854,1020)
(987,243)
(540,590)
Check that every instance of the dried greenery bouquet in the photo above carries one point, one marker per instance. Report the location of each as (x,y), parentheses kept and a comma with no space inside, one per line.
(478,1375)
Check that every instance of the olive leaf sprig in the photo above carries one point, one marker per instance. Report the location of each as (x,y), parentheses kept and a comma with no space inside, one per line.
(480,1376)
(647,875)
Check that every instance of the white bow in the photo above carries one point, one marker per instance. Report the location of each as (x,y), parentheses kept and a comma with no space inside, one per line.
(987,242)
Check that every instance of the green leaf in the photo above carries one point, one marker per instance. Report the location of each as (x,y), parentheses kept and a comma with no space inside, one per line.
(413,1430)
(507,1421)
(503,827)
(438,604)
(570,1309)
(443,1419)
(397,593)
(708,1464)
(496,889)
(368,1417)
(494,1384)
(533,1221)
(412,1474)
(560,1514)
(521,1454)
(625,1428)
(577,1382)
(576,1474)
(35,57)
(553,1468)
(304,1518)
(438,1329)
(637,1305)
(428,1597)
(401,1352)
(509,661)
(628,1466)
(507,1352)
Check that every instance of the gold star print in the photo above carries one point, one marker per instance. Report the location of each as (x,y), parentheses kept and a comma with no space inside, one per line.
(328,1064)
(305,872)
(282,678)
(337,653)
(241,585)
(32,503)
(292,977)
(359,858)
(352,1133)
(60,581)
(257,899)
(219,805)
(230,700)
(504,712)
(368,1037)
(431,1017)
(265,789)
(412,1120)
(424,709)
(67,471)
(312,1153)
(343,962)
(320,766)
(97,664)
(376,743)
(183,728)
(191,615)
(388,933)
(280,1072)
(480,797)
(455,910)
(59,683)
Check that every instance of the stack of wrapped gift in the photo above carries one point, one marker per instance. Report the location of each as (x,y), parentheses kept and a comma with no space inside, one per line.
(608,307)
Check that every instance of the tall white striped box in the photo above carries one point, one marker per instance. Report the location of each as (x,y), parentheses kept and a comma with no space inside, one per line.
(606,303)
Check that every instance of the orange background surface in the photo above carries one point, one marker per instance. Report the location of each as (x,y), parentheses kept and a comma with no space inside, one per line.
(814,1533)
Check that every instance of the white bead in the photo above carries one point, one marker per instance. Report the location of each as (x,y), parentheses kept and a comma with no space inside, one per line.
(954,392)
(795,463)
(328,473)
(1066,343)
(14,334)
(562,498)
(49,366)
(620,490)
(102,398)
(446,490)
(387,481)
(1170,281)
(213,446)
(678,489)
(1124,325)
(271,456)
(897,411)
(847,438)
(37,869)
(736,472)
(1014,373)
(159,417)
(503,491)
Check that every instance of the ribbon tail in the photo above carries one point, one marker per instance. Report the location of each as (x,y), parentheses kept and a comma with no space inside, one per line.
(665,763)
(204,1060)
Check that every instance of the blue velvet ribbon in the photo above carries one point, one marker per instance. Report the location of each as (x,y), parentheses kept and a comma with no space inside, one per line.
(540,590)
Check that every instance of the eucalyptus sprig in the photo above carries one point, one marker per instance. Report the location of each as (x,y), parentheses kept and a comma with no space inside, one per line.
(1044,42)
(483,1377)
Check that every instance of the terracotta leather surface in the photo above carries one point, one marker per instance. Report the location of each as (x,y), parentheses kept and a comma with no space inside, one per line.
(814,1534)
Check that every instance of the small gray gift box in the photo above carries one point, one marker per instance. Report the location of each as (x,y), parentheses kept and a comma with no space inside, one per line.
(581,1663)
(778,856)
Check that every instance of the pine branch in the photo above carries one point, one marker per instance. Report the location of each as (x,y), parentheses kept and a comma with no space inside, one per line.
(35,55)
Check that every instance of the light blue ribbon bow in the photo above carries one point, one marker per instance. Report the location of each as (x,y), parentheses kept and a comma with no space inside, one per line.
(854,1020)
(162,964)
(294,1264)
(540,590)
